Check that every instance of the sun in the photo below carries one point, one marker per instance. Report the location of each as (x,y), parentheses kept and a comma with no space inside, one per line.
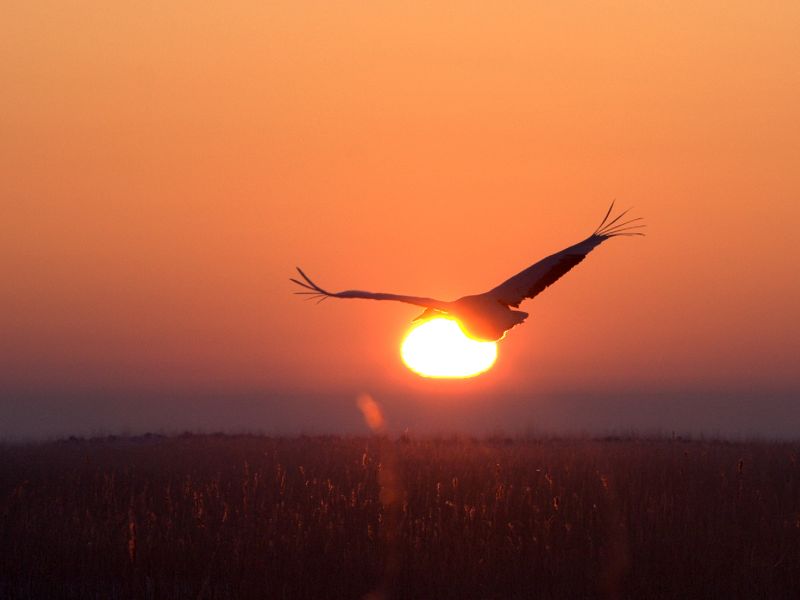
(440,348)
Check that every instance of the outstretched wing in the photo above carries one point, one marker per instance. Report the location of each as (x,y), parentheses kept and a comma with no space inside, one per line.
(547,271)
(312,290)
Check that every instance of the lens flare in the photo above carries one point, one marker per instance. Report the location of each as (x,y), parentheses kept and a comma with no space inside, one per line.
(440,348)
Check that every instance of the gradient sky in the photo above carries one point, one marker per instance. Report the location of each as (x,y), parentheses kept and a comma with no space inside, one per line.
(164,166)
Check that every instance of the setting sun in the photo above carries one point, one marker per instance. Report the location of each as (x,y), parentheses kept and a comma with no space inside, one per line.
(440,348)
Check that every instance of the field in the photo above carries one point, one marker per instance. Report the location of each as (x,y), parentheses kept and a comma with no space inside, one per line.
(216,516)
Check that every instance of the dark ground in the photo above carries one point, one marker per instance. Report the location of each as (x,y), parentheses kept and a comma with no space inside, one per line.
(217,516)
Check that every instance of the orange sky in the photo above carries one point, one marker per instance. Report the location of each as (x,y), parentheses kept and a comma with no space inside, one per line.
(163,168)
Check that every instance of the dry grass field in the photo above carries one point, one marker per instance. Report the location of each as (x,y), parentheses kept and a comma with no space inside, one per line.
(213,516)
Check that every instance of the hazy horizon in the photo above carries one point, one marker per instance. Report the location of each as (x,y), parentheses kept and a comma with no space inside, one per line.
(696,414)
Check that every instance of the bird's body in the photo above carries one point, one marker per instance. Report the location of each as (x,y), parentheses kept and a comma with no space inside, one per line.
(488,316)
(483,316)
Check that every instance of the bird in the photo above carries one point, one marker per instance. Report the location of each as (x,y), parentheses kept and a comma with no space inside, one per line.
(491,315)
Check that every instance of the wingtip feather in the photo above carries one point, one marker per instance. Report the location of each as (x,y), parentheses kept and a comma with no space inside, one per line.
(616,226)
(608,212)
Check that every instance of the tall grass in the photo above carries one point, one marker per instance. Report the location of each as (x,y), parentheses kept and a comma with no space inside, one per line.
(257,517)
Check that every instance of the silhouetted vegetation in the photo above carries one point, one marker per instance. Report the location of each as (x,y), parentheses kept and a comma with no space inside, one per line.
(327,517)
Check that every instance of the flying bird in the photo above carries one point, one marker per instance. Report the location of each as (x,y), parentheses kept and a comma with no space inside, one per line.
(490,315)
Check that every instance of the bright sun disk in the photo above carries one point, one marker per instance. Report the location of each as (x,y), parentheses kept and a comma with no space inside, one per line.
(440,348)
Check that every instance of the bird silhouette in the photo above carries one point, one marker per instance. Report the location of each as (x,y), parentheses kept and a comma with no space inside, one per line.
(490,315)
